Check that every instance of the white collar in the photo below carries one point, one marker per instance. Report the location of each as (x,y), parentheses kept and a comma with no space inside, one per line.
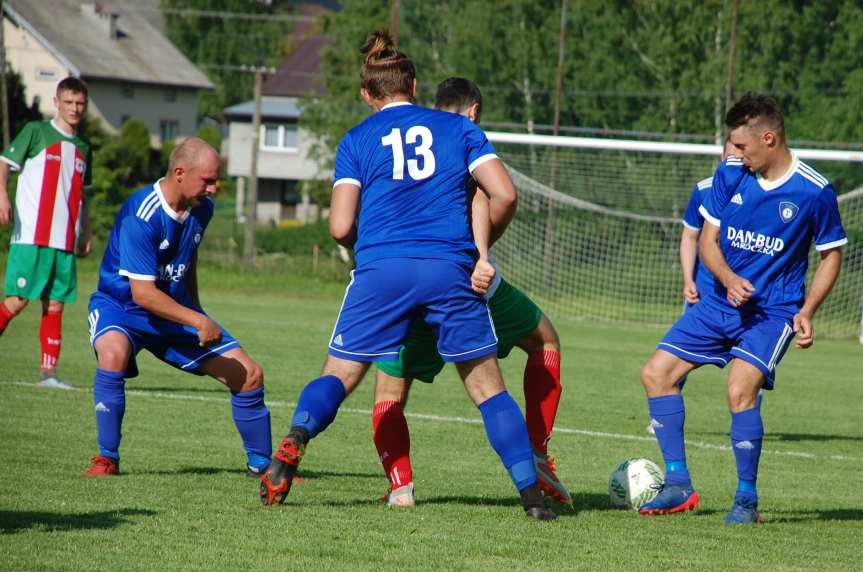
(770,185)
(396,104)
(179,217)
(60,131)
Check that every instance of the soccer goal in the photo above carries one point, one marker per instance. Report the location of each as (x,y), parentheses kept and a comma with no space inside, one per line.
(598,226)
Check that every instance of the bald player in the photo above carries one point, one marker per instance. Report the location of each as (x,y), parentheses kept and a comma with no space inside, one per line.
(148,298)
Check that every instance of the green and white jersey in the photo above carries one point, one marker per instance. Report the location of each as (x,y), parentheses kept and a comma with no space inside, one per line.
(55,168)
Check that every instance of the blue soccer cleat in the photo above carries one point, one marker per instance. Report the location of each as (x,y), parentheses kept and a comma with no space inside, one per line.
(670,499)
(743,513)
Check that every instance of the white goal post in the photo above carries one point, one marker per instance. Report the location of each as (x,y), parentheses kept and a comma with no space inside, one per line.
(598,228)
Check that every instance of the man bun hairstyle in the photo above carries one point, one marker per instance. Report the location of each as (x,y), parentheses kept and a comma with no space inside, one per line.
(458,94)
(72,84)
(756,109)
(386,71)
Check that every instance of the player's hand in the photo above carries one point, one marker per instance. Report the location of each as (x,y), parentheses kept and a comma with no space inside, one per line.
(483,274)
(805,331)
(209,332)
(690,292)
(740,290)
(5,210)
(84,246)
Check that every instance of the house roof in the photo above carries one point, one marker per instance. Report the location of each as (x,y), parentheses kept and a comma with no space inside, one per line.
(299,75)
(271,108)
(79,36)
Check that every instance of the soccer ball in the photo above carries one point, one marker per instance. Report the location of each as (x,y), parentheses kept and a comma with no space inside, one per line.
(634,483)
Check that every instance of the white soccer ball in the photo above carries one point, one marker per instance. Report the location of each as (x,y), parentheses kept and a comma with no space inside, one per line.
(634,483)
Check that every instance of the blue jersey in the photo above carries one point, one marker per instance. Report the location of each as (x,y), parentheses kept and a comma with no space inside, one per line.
(150,241)
(693,220)
(767,228)
(411,165)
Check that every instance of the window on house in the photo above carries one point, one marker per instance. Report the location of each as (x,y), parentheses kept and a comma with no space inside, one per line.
(127,91)
(170,95)
(168,129)
(279,136)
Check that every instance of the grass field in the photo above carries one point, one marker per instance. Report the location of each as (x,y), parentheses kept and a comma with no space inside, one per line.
(183,501)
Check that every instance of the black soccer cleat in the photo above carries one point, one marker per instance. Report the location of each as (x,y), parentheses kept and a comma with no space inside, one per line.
(276,482)
(540,513)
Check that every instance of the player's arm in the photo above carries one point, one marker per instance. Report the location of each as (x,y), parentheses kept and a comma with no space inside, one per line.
(483,272)
(495,182)
(739,289)
(688,252)
(344,208)
(823,281)
(5,203)
(153,300)
(85,240)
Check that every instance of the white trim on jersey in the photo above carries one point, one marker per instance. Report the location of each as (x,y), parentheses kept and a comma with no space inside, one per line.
(396,104)
(770,185)
(705,183)
(145,209)
(708,217)
(689,226)
(60,131)
(830,245)
(15,166)
(134,276)
(348,181)
(179,217)
(480,160)
(822,181)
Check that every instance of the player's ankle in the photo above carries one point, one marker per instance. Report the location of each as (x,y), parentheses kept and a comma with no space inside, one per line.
(531,497)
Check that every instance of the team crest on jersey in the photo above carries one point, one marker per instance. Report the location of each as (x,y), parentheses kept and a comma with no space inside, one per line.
(80,165)
(197,238)
(787,211)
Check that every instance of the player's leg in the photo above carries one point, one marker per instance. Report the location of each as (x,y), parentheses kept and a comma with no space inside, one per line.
(392,437)
(245,378)
(21,283)
(316,409)
(50,340)
(10,308)
(113,352)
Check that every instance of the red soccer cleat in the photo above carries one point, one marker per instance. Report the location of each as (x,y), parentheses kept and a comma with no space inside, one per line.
(276,482)
(102,467)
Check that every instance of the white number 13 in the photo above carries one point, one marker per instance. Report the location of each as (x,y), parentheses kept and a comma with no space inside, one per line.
(423,149)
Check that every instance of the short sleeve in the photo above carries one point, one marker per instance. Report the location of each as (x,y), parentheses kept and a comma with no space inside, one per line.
(16,153)
(692,219)
(138,250)
(479,148)
(347,169)
(725,181)
(827,224)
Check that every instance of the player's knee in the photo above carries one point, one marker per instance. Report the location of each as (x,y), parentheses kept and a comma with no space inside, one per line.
(254,377)
(15,304)
(651,376)
(112,358)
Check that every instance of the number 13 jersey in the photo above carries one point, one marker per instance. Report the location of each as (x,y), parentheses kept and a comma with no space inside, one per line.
(411,165)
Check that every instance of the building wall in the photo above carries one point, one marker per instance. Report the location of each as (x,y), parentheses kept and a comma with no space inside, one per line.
(293,165)
(39,69)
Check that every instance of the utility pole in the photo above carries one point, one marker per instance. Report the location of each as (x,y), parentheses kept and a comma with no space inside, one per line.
(4,97)
(732,48)
(252,204)
(394,21)
(558,88)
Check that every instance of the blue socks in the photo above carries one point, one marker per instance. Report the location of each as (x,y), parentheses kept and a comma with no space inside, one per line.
(667,415)
(252,419)
(507,433)
(318,404)
(109,396)
(747,432)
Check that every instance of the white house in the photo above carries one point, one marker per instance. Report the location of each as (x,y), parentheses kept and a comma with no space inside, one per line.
(131,69)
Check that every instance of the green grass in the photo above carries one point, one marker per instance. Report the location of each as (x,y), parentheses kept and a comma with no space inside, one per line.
(182,501)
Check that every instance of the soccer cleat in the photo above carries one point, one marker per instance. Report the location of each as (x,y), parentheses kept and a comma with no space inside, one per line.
(102,467)
(277,480)
(53,383)
(400,497)
(546,473)
(650,429)
(540,513)
(743,513)
(670,499)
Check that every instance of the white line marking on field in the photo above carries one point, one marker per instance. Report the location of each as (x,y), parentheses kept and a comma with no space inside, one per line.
(465,420)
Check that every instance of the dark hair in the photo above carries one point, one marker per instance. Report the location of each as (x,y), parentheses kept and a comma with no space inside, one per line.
(756,106)
(72,84)
(386,71)
(457,93)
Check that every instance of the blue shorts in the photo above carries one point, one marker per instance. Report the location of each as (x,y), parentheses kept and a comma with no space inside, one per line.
(173,343)
(385,296)
(704,334)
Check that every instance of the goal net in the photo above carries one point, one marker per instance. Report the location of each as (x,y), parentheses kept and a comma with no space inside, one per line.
(597,232)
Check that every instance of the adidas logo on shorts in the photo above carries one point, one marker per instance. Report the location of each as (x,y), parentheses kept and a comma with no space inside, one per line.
(338,340)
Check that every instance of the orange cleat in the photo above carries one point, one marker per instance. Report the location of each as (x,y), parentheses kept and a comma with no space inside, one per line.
(102,467)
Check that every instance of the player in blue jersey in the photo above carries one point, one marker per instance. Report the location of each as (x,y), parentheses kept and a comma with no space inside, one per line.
(147,298)
(399,200)
(764,211)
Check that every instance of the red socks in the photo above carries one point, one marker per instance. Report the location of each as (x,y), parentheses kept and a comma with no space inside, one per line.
(541,396)
(5,317)
(393,441)
(50,338)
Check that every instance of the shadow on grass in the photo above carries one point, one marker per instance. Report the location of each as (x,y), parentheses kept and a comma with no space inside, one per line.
(816,437)
(305,475)
(12,521)
(781,516)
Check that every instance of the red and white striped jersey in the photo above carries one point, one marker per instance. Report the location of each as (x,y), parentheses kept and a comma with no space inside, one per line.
(55,168)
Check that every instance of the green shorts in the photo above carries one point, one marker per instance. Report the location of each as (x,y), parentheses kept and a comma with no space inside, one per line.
(41,273)
(514,315)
